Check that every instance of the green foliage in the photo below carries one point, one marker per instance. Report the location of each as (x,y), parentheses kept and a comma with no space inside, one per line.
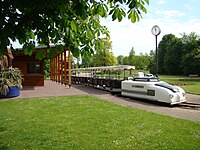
(179,56)
(10,77)
(139,61)
(86,122)
(131,56)
(104,57)
(59,48)
(50,54)
(76,24)
(120,59)
(190,63)
(47,68)
(28,48)
(126,60)
(40,54)
(169,49)
(152,63)
(86,61)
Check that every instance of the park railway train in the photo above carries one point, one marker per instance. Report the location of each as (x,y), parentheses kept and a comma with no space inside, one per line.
(142,87)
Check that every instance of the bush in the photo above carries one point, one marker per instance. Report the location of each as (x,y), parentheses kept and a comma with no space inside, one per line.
(10,77)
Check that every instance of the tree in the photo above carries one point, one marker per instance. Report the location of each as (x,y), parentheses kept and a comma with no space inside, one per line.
(179,56)
(120,59)
(131,56)
(170,52)
(141,61)
(190,62)
(163,46)
(132,52)
(126,60)
(47,68)
(76,24)
(152,63)
(144,61)
(86,61)
(104,57)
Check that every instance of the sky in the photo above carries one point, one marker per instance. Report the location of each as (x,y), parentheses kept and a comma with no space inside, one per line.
(172,16)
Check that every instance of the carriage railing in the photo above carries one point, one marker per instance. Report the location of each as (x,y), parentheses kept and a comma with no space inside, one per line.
(107,77)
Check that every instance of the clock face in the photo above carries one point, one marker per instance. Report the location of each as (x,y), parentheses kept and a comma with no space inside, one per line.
(155,30)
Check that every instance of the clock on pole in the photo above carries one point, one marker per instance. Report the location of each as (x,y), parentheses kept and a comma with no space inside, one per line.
(156,31)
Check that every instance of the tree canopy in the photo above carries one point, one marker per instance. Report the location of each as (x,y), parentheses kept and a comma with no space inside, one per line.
(139,61)
(105,56)
(74,23)
(102,57)
(179,55)
(190,62)
(120,59)
(169,50)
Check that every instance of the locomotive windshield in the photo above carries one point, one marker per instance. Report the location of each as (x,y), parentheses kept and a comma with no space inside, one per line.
(168,86)
(146,79)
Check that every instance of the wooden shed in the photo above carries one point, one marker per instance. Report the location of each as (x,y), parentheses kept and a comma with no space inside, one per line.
(33,69)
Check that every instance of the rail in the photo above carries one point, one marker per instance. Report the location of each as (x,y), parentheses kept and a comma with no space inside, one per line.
(188,105)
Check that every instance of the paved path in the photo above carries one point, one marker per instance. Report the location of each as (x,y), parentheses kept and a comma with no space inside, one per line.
(55,89)
(193,98)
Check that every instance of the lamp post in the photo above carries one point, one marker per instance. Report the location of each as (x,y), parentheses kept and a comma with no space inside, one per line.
(156,31)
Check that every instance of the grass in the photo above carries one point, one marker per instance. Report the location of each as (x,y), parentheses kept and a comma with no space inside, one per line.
(84,122)
(190,85)
(194,88)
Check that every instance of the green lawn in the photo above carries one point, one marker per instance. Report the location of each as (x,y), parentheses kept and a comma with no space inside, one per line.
(194,88)
(84,122)
(190,85)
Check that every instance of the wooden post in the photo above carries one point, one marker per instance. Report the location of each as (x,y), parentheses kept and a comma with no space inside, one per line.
(54,69)
(65,67)
(51,69)
(57,68)
(54,62)
(69,68)
(61,67)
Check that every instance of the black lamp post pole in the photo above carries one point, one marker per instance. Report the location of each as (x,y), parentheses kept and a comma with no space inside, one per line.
(156,57)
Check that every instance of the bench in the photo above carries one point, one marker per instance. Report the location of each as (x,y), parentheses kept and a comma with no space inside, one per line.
(193,75)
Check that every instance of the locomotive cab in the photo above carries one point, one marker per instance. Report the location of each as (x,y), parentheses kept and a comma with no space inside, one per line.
(151,88)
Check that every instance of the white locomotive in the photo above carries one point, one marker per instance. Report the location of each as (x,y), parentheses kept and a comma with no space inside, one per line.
(149,87)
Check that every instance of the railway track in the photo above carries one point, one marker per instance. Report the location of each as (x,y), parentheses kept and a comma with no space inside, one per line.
(188,105)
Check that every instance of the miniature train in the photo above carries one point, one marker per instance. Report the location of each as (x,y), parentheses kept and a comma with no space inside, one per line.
(142,87)
(152,89)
